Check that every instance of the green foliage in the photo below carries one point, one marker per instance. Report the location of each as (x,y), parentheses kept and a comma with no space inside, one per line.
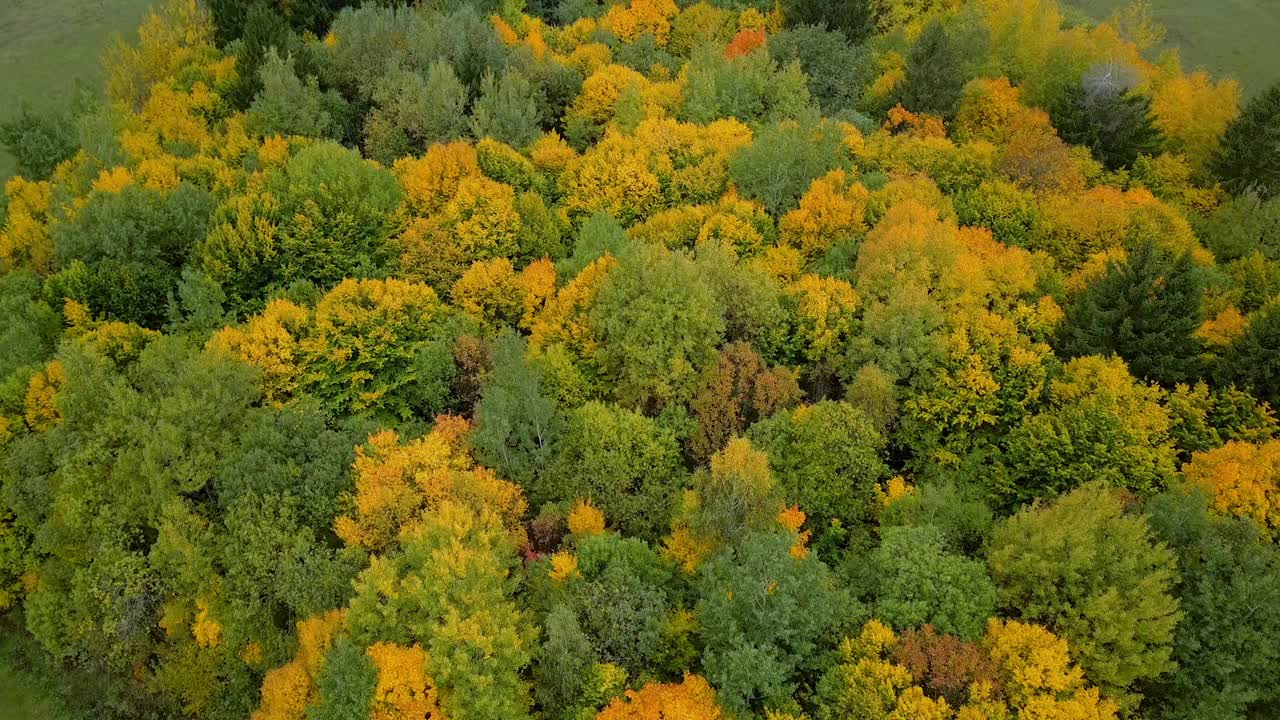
(1242,226)
(750,88)
(765,617)
(346,683)
(39,141)
(1104,115)
(288,105)
(509,109)
(31,328)
(964,522)
(849,17)
(921,582)
(659,323)
(784,160)
(327,215)
(1226,644)
(516,424)
(938,69)
(413,112)
(836,71)
(827,460)
(564,664)
(1254,362)
(621,461)
(1249,159)
(1095,575)
(1146,309)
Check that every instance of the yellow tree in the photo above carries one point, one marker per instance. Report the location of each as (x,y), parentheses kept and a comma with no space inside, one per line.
(1243,479)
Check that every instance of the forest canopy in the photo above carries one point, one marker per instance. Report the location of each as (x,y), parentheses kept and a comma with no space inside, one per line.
(626,360)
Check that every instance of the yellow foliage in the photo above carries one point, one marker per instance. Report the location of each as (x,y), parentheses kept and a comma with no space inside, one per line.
(564,566)
(430,181)
(113,180)
(992,110)
(286,692)
(1224,328)
(826,308)
(631,21)
(565,318)
(270,342)
(585,519)
(832,211)
(551,154)
(403,691)
(538,283)
(1193,112)
(1040,680)
(395,485)
(206,630)
(490,292)
(24,240)
(686,549)
(693,699)
(275,151)
(1243,479)
(41,406)
(251,654)
(178,35)
(895,488)
(478,222)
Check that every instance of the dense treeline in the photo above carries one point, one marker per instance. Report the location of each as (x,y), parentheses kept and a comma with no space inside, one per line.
(874,359)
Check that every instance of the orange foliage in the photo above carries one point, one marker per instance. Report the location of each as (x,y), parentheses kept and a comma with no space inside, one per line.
(693,699)
(745,42)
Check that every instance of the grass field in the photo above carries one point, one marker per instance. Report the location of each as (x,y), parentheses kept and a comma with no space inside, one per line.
(1227,37)
(45,45)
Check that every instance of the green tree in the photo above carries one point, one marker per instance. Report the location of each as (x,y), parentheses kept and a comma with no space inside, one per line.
(922,582)
(31,328)
(345,686)
(784,160)
(1146,309)
(937,70)
(1104,114)
(1254,360)
(413,112)
(1228,644)
(509,109)
(564,664)
(850,17)
(516,424)
(1094,574)
(826,458)
(621,461)
(39,141)
(1249,158)
(750,88)
(766,618)
(659,324)
(289,105)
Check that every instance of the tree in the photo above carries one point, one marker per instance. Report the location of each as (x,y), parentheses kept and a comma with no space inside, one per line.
(624,463)
(1229,584)
(1146,309)
(325,216)
(785,158)
(39,141)
(738,391)
(1254,362)
(509,109)
(921,583)
(1104,114)
(764,615)
(517,425)
(937,70)
(1101,424)
(1247,159)
(1241,479)
(850,17)
(1095,575)
(413,112)
(659,324)
(827,461)
(289,105)
(693,698)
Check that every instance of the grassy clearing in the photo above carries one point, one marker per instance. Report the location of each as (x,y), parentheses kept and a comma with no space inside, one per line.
(1227,37)
(45,45)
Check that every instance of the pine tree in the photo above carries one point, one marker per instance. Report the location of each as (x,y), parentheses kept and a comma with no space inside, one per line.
(1250,154)
(1104,116)
(936,72)
(1146,310)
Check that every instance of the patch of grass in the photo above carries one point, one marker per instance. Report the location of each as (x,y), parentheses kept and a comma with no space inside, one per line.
(1226,37)
(46,45)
